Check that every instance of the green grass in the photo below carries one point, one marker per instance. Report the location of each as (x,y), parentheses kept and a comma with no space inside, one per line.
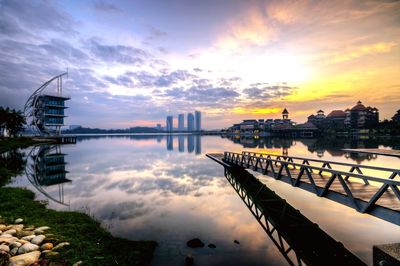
(90,243)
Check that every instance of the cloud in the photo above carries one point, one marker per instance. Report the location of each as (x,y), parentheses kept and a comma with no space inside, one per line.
(360,51)
(250,29)
(269,92)
(106,7)
(18,17)
(122,54)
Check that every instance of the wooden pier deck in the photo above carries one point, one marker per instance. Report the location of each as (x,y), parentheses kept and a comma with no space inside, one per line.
(375,195)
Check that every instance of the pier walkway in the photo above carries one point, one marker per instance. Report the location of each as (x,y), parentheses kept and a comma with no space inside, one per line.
(367,189)
(299,240)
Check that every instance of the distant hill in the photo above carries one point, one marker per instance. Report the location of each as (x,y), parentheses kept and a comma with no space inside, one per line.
(87,130)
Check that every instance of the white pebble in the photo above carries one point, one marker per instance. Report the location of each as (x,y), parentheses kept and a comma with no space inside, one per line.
(18,221)
(37,240)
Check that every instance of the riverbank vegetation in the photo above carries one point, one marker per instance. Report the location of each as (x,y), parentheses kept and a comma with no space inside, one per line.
(89,242)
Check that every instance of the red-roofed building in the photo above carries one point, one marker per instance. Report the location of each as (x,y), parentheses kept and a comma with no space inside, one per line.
(335,119)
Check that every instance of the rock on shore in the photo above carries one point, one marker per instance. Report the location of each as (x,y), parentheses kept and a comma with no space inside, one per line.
(21,246)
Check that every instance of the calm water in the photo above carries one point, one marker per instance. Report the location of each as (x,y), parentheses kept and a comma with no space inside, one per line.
(164,188)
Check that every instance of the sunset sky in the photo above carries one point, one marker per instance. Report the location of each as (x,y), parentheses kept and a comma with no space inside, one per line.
(131,63)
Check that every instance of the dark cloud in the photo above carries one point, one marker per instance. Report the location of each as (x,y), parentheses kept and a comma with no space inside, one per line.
(268,92)
(200,94)
(106,7)
(119,53)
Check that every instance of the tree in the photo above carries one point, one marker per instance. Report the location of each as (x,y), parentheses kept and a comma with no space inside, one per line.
(11,120)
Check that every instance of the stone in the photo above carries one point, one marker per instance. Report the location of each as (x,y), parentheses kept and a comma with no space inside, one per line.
(4,248)
(195,243)
(28,247)
(4,258)
(6,235)
(24,233)
(51,254)
(236,242)
(37,240)
(77,263)
(7,239)
(46,246)
(61,245)
(189,261)
(212,246)
(2,227)
(40,230)
(22,241)
(28,238)
(10,232)
(16,227)
(25,259)
(15,245)
(14,251)
(19,220)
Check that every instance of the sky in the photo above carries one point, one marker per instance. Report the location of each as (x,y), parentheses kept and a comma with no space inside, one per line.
(132,63)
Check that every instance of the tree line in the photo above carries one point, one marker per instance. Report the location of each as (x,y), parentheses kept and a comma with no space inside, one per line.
(11,121)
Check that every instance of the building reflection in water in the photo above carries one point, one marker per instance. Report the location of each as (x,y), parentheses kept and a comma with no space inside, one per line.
(181,143)
(334,147)
(46,167)
(190,143)
(170,142)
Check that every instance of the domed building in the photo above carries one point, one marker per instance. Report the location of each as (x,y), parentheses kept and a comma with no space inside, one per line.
(360,116)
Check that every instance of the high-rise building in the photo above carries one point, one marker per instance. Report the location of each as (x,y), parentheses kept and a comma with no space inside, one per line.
(190,122)
(170,124)
(181,122)
(197,116)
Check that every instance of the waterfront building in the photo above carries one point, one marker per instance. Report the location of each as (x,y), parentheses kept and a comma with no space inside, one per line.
(190,122)
(317,119)
(362,117)
(396,117)
(197,117)
(44,111)
(170,124)
(248,125)
(159,127)
(181,122)
(335,119)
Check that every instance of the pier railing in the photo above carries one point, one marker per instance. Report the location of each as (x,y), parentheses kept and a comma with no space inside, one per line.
(307,174)
(299,240)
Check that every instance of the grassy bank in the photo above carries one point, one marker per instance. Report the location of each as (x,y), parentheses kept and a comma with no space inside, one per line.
(90,243)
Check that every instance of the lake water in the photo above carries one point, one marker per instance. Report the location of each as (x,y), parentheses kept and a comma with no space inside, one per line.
(164,188)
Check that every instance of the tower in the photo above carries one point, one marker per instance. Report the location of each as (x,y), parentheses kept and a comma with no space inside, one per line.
(181,122)
(197,118)
(190,122)
(285,114)
(170,124)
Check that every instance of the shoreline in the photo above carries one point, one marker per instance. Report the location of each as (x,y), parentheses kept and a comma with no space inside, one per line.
(90,243)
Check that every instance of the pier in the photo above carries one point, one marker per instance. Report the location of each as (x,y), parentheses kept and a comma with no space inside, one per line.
(299,240)
(361,187)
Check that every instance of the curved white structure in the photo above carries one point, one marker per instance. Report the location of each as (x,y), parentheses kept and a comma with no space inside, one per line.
(44,111)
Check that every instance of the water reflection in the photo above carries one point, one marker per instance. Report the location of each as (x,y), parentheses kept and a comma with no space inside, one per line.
(46,168)
(333,146)
(140,189)
(12,163)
